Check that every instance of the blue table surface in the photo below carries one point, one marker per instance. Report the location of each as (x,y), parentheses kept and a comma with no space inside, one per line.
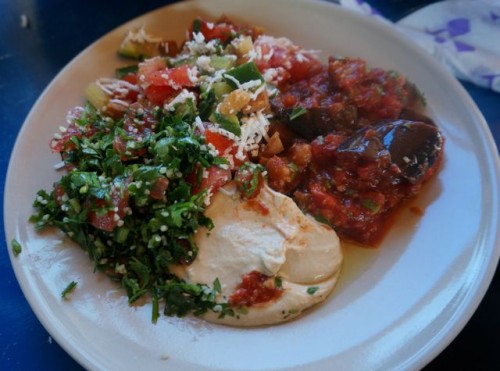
(58,30)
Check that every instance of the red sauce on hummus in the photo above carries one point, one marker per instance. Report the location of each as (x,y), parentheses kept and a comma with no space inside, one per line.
(255,288)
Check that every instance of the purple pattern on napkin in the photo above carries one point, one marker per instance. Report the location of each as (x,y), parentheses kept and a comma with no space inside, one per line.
(454,28)
(458,26)
(462,34)
(490,79)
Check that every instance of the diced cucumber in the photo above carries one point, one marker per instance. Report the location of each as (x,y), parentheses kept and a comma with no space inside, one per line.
(121,234)
(220,62)
(96,96)
(191,61)
(220,89)
(139,50)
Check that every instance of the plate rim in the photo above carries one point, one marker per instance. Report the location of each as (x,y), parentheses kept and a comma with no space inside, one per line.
(493,165)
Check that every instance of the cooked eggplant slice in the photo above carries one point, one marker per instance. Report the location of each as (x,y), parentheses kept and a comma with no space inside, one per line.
(316,121)
(413,146)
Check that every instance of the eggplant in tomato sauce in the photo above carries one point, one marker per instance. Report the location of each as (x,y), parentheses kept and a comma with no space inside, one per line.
(369,146)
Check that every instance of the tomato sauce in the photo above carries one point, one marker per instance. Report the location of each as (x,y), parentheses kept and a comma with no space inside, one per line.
(353,179)
(255,288)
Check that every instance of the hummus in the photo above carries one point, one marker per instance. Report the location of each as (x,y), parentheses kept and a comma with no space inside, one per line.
(268,234)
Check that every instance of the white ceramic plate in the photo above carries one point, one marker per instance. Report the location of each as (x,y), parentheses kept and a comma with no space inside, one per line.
(395,307)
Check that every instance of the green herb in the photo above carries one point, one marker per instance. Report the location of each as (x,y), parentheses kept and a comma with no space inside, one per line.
(207,105)
(197,25)
(71,286)
(278,282)
(217,286)
(108,205)
(155,310)
(248,179)
(312,290)
(16,247)
(297,112)
(370,204)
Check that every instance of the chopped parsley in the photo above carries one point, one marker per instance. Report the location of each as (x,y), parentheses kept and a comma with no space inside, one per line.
(135,213)
(278,282)
(16,247)
(297,112)
(71,286)
(249,179)
(370,204)
(312,290)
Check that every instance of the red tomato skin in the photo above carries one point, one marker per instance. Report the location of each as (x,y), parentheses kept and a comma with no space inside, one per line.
(157,94)
(225,147)
(219,141)
(216,177)
(174,77)
(210,31)
(107,221)
(159,188)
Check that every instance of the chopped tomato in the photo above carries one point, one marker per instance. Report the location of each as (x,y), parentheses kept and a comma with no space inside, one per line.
(301,69)
(157,94)
(138,120)
(104,222)
(131,78)
(120,147)
(62,142)
(58,193)
(106,215)
(222,31)
(174,77)
(151,65)
(289,61)
(219,141)
(215,177)
(182,76)
(225,146)
(132,94)
(159,188)
(161,84)
(249,180)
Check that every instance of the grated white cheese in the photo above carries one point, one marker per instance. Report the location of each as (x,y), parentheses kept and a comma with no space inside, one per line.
(257,92)
(253,129)
(139,36)
(217,76)
(193,74)
(203,62)
(119,102)
(182,97)
(199,124)
(116,87)
(198,46)
(73,114)
(198,37)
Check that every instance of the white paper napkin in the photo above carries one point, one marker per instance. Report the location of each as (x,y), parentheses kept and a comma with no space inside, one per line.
(463,35)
